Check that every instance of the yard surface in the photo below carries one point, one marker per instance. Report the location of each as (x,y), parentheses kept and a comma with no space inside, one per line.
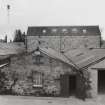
(28,100)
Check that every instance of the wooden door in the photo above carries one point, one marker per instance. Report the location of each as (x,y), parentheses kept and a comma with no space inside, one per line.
(64,79)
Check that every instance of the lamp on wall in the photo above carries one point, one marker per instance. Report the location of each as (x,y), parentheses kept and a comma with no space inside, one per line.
(37,52)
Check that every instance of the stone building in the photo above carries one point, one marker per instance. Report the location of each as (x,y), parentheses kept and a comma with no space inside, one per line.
(64,38)
(60,61)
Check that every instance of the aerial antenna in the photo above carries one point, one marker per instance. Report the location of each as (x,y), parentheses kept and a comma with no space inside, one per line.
(8,13)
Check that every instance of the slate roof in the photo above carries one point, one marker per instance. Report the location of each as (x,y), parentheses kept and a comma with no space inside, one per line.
(100,65)
(11,48)
(63,30)
(85,57)
(78,58)
(2,57)
(56,55)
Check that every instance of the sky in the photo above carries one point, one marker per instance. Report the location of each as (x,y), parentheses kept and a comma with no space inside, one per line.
(24,13)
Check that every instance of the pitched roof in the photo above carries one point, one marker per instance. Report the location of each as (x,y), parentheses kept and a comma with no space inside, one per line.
(100,65)
(56,55)
(11,48)
(63,30)
(85,57)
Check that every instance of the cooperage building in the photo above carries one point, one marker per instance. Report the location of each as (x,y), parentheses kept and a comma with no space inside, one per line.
(54,57)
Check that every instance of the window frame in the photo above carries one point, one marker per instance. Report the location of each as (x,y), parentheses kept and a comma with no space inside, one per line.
(37,79)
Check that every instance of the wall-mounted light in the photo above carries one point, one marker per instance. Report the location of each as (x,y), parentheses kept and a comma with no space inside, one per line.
(37,52)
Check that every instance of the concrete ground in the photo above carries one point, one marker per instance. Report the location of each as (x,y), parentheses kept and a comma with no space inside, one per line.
(28,100)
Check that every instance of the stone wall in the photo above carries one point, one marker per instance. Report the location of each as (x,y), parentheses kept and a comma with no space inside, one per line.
(22,66)
(64,43)
(93,82)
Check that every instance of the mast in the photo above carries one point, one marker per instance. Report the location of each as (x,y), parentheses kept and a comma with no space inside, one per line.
(8,14)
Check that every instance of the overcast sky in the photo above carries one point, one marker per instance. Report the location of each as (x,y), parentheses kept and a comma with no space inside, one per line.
(24,13)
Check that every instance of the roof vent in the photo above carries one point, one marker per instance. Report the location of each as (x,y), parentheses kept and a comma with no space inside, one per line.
(64,30)
(74,30)
(44,31)
(54,30)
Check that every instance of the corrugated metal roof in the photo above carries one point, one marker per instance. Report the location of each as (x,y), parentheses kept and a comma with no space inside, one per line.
(56,55)
(85,57)
(63,30)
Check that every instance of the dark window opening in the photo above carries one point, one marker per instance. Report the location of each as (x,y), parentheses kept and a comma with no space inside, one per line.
(38,60)
(101,81)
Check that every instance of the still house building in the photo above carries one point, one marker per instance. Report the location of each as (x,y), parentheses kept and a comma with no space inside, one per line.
(55,59)
(63,38)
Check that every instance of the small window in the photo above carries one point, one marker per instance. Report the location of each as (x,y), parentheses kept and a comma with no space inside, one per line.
(44,31)
(74,30)
(38,60)
(84,31)
(37,79)
(54,30)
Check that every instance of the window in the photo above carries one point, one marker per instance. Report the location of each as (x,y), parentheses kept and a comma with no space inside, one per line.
(37,57)
(37,79)
(38,60)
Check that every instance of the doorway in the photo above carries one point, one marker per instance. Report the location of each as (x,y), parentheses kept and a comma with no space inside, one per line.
(72,84)
(101,81)
(68,85)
